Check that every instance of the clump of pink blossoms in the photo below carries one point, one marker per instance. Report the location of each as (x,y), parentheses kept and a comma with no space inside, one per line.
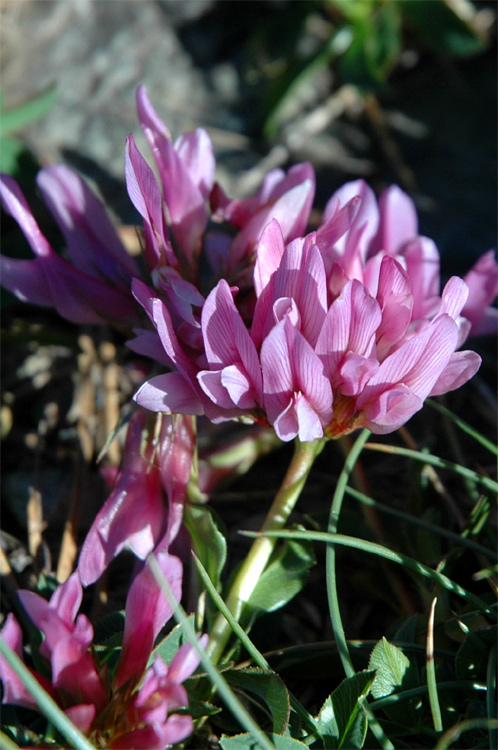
(314,334)
(134,707)
(349,328)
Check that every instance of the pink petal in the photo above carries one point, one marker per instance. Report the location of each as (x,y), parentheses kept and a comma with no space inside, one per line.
(169,393)
(92,242)
(184,199)
(398,221)
(422,266)
(300,277)
(286,424)
(461,367)
(353,245)
(74,673)
(396,302)
(14,691)
(82,716)
(268,255)
(350,326)
(407,376)
(310,423)
(186,660)
(133,516)
(454,297)
(147,611)
(176,447)
(67,598)
(290,366)
(196,152)
(227,341)
(148,344)
(15,204)
(145,195)
(291,211)
(482,280)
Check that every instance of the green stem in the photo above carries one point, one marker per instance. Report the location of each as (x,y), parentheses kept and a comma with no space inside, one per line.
(253,566)
(335,511)
(334,607)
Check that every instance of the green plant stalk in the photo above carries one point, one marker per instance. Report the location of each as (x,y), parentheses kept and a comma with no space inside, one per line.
(406,695)
(253,566)
(431,672)
(249,646)
(330,567)
(238,710)
(452,735)
(45,702)
(6,743)
(335,511)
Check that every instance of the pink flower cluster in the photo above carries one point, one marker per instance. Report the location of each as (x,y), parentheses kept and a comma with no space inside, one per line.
(315,334)
(348,328)
(135,707)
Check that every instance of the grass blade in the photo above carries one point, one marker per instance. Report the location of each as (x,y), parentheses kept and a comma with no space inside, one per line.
(438,530)
(441,463)
(387,554)
(464,426)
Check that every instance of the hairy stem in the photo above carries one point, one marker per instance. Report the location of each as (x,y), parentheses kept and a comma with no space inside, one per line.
(262,548)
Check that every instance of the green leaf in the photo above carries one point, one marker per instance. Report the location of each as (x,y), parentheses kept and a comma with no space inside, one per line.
(169,646)
(14,120)
(10,153)
(268,686)
(341,721)
(282,93)
(391,665)
(200,709)
(209,542)
(375,46)
(284,577)
(247,742)
(447,28)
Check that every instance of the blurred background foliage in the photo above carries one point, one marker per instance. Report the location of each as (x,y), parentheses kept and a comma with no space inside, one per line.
(363,41)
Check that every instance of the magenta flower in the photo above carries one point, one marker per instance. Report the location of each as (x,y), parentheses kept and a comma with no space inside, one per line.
(14,691)
(67,640)
(186,172)
(135,708)
(482,280)
(286,198)
(75,681)
(149,722)
(136,516)
(147,611)
(349,328)
(92,285)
